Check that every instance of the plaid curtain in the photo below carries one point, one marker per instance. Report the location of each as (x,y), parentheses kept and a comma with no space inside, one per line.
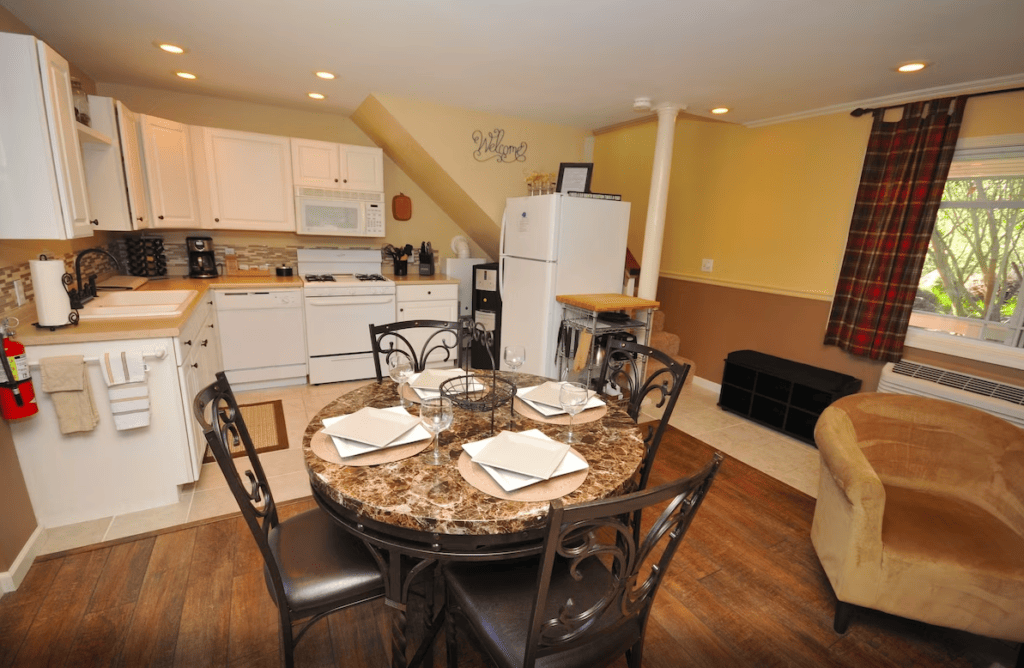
(901,186)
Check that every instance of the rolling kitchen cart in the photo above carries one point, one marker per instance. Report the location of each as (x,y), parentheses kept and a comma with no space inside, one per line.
(587,318)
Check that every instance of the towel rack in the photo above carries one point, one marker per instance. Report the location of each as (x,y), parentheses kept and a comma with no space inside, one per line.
(159,353)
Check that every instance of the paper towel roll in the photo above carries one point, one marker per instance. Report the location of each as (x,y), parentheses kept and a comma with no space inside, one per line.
(52,303)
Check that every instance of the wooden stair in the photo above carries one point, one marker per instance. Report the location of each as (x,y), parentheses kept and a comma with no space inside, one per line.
(667,342)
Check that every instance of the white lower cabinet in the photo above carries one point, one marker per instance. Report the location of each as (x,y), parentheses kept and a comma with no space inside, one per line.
(428,302)
(104,472)
(89,475)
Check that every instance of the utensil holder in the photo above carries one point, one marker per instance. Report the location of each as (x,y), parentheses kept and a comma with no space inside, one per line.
(401,267)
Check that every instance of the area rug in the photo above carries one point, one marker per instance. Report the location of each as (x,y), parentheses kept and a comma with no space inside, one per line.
(265,422)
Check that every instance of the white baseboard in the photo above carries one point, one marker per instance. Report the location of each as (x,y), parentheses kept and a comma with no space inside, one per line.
(707,384)
(10,580)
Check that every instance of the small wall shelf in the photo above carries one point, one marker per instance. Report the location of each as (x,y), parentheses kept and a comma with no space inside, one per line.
(779,393)
(86,135)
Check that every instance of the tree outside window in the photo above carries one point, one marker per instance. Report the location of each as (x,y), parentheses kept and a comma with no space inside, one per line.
(972,284)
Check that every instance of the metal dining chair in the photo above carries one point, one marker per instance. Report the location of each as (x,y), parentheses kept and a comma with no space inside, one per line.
(444,343)
(312,566)
(570,608)
(623,363)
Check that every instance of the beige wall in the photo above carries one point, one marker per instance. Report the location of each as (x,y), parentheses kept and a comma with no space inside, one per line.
(428,223)
(771,206)
(446,134)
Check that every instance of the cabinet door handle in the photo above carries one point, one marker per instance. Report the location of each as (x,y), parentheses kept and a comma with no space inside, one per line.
(196,365)
(188,343)
(94,222)
(216,220)
(211,325)
(160,217)
(139,219)
(335,180)
(344,180)
(205,341)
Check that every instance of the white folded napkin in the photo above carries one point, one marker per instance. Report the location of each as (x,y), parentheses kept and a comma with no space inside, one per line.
(510,481)
(424,391)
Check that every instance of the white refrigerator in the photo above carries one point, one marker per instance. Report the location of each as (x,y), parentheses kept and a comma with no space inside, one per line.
(555,245)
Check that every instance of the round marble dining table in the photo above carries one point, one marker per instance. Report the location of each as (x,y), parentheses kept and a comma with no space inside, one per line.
(411,512)
(410,494)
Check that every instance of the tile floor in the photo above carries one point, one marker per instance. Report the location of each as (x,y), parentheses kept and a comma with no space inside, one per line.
(696,413)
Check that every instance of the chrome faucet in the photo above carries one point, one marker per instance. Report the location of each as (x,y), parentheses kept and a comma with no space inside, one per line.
(83,295)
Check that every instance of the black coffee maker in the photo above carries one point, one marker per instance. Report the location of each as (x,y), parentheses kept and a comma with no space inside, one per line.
(201,263)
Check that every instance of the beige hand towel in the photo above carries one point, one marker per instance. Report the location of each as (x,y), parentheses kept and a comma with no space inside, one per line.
(67,381)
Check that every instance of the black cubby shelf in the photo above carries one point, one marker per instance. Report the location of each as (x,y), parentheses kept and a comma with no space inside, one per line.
(782,394)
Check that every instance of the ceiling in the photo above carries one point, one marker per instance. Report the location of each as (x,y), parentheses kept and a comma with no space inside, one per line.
(559,61)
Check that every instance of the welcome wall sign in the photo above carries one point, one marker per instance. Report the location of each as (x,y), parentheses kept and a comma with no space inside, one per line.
(493,147)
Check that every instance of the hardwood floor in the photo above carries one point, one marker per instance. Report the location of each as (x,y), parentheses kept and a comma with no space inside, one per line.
(745,588)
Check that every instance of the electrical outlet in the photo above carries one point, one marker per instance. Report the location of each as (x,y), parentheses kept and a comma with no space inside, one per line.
(229,251)
(707,265)
(19,292)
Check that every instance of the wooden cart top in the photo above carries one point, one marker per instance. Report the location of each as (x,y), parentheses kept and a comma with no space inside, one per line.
(602,303)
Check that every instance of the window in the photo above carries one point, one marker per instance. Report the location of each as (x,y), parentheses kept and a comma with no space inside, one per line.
(972,285)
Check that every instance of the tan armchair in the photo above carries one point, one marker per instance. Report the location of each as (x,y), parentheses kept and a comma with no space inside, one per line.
(920,513)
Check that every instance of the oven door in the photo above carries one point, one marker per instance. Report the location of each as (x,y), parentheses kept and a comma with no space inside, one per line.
(341,325)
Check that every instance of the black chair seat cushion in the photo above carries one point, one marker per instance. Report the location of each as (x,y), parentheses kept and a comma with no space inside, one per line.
(498,598)
(322,565)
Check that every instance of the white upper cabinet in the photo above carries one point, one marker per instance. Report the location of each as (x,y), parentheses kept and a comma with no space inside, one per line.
(316,163)
(117,191)
(362,168)
(319,164)
(42,179)
(129,127)
(169,173)
(250,179)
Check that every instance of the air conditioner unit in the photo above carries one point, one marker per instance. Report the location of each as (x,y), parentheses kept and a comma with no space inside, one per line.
(999,399)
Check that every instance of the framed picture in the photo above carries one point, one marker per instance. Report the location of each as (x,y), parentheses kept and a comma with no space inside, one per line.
(574,176)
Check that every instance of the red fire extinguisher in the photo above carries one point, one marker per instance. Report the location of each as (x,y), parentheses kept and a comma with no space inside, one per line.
(17,396)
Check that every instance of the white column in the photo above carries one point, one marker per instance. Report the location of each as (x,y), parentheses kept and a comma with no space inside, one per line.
(654,233)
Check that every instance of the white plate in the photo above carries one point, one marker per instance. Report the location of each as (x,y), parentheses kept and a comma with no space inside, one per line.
(523,454)
(510,481)
(347,448)
(431,379)
(551,411)
(423,393)
(373,426)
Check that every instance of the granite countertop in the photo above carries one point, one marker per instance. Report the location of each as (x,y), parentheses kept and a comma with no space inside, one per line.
(140,328)
(397,493)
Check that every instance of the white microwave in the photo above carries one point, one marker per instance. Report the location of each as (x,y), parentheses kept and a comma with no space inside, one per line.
(339,213)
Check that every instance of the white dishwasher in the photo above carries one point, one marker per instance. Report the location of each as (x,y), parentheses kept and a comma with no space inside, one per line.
(262,337)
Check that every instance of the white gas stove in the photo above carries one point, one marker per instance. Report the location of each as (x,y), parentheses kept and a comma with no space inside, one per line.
(344,295)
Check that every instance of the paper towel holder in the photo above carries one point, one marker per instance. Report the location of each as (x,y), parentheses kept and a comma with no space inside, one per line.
(67,280)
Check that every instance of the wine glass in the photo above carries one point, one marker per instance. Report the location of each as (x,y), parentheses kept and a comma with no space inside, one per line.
(436,414)
(515,356)
(572,396)
(400,369)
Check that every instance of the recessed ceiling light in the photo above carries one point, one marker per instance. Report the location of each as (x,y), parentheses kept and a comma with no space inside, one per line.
(720,110)
(325,75)
(171,48)
(317,96)
(186,75)
(911,67)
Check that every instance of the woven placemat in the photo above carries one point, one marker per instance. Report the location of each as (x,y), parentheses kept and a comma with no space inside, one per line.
(323,447)
(266,425)
(589,415)
(545,490)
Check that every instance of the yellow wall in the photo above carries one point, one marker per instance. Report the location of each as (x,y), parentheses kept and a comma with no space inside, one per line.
(428,222)
(771,205)
(446,134)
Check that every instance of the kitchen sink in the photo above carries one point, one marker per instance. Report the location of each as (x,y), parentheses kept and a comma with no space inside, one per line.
(147,304)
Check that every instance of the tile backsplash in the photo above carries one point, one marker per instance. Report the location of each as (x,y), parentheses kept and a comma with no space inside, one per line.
(93,263)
